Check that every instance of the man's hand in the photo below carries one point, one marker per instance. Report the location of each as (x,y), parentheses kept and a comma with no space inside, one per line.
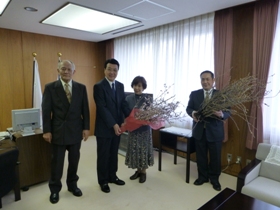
(219,114)
(47,137)
(194,117)
(85,134)
(117,129)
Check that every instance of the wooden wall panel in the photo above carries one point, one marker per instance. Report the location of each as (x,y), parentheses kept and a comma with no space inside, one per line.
(241,67)
(16,60)
(97,74)
(12,92)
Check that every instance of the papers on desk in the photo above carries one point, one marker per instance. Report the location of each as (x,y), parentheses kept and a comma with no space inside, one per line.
(178,131)
(27,134)
(4,133)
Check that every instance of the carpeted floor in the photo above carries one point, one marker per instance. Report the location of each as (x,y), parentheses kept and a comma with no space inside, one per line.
(163,190)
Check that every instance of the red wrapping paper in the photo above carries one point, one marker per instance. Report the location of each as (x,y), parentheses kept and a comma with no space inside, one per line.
(131,123)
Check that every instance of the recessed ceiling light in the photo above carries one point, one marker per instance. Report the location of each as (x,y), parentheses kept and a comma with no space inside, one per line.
(3,5)
(87,19)
(30,9)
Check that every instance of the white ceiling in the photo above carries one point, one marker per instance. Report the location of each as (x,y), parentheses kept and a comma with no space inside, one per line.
(151,13)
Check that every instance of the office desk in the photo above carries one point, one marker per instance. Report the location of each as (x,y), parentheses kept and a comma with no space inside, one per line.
(6,146)
(168,138)
(230,199)
(34,158)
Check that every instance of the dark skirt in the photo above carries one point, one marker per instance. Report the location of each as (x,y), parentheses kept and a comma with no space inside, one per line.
(139,152)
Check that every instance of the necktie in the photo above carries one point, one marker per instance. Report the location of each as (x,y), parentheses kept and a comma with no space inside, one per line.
(113,89)
(206,99)
(67,91)
(207,96)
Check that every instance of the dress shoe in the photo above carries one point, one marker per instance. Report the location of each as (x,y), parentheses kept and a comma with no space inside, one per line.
(200,182)
(105,188)
(216,185)
(135,176)
(77,192)
(142,178)
(117,181)
(54,198)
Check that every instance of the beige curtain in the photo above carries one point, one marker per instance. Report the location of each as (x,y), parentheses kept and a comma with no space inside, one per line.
(173,55)
(265,17)
(223,26)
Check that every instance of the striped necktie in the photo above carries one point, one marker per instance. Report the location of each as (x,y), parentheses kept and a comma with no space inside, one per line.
(67,91)
(207,96)
(206,99)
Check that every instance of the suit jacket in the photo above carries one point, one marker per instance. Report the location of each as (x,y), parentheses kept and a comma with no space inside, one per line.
(214,127)
(109,109)
(65,121)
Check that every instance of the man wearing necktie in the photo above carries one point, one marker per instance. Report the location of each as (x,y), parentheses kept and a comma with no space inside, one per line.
(113,89)
(65,113)
(208,134)
(111,107)
(67,91)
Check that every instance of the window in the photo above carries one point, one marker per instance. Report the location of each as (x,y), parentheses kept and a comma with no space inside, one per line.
(271,111)
(174,54)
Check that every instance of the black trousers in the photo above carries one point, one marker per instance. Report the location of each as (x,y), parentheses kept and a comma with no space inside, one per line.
(208,168)
(57,162)
(107,159)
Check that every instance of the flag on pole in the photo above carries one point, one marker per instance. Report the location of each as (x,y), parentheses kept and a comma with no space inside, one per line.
(59,60)
(36,92)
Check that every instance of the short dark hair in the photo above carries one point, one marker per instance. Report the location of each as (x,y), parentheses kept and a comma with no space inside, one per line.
(207,71)
(112,61)
(138,80)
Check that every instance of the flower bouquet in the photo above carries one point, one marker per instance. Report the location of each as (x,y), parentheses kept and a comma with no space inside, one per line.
(152,112)
(132,122)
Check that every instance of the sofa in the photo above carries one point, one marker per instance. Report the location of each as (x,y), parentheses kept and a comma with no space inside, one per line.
(260,179)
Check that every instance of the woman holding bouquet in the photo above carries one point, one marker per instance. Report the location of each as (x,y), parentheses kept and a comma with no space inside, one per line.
(139,153)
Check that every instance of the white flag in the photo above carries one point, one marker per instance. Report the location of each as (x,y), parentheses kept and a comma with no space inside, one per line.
(37,92)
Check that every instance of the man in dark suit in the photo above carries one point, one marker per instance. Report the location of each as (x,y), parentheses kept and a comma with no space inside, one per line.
(208,134)
(65,124)
(111,108)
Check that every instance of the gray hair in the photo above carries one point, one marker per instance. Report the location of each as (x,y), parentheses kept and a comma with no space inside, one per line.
(66,61)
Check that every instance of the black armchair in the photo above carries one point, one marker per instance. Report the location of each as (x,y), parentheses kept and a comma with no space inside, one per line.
(9,179)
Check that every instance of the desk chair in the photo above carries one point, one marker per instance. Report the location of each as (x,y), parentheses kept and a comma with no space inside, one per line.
(9,173)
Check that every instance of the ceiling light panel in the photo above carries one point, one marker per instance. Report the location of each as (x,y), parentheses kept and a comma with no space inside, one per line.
(3,5)
(86,19)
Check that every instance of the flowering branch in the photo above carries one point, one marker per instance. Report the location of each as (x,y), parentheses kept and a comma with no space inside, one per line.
(233,98)
(159,109)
